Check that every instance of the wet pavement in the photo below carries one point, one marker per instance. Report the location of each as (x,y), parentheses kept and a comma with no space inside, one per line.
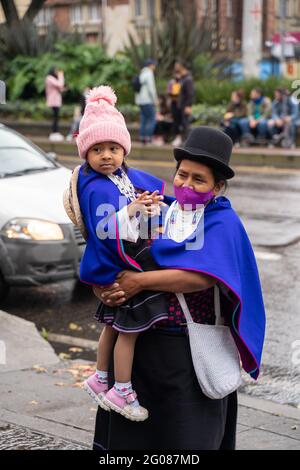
(14,437)
(268,202)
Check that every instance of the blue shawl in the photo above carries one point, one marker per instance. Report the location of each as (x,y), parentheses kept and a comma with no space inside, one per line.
(103,259)
(226,255)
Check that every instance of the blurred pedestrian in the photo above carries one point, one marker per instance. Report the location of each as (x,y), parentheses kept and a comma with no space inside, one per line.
(185,100)
(236,110)
(259,111)
(147,100)
(164,122)
(174,87)
(77,115)
(282,125)
(54,86)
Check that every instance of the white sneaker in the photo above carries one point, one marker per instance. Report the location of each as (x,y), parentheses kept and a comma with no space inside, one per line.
(56,137)
(158,141)
(177,141)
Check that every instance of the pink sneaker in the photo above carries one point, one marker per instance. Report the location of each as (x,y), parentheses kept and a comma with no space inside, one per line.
(96,390)
(124,405)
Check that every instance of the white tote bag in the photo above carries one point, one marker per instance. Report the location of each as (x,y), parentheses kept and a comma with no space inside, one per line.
(215,356)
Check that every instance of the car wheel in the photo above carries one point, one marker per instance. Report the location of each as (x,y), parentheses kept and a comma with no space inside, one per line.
(4,288)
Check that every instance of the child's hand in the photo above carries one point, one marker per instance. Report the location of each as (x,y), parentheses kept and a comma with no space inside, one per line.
(146,204)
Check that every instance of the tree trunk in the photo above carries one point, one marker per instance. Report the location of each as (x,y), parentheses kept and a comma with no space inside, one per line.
(10,12)
(33,9)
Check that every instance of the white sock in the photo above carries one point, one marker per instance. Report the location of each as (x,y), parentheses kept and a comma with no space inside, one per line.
(102,376)
(123,389)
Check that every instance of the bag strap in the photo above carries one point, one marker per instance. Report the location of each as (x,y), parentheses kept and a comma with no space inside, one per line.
(185,308)
(71,203)
(217,304)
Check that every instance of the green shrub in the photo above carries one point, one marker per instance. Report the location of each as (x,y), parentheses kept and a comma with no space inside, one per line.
(218,92)
(83,65)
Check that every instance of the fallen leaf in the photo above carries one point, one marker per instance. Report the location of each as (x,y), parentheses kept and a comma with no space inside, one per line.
(33,402)
(64,356)
(78,385)
(74,327)
(39,369)
(61,384)
(75,350)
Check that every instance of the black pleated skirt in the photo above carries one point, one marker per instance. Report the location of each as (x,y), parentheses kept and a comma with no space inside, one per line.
(181,417)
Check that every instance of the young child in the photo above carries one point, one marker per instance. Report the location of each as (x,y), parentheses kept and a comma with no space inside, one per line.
(109,203)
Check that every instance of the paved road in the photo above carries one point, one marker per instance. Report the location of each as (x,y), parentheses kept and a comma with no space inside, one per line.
(268,202)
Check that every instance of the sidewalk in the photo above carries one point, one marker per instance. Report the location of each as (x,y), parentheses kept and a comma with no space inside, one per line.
(43,406)
(250,156)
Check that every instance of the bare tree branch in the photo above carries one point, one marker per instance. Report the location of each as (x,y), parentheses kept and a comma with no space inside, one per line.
(33,9)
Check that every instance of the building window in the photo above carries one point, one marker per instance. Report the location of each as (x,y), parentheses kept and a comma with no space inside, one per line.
(138,10)
(229,8)
(76,14)
(230,44)
(205,6)
(214,8)
(94,13)
(151,8)
(291,8)
(44,17)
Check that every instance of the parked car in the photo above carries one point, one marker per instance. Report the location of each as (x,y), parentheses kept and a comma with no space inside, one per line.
(38,242)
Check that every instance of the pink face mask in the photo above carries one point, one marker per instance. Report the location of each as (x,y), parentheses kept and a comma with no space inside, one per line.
(186,195)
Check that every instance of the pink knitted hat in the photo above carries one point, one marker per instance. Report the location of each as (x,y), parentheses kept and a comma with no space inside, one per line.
(102,122)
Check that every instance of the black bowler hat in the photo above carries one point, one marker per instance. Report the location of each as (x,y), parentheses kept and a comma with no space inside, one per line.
(209,146)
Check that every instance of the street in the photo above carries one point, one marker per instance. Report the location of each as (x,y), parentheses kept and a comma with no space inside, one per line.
(268,201)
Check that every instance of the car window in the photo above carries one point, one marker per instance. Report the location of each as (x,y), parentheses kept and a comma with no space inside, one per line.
(18,156)
(11,139)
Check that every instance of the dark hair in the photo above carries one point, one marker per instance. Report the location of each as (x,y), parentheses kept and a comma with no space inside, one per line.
(281,91)
(183,63)
(52,72)
(258,90)
(218,177)
(240,93)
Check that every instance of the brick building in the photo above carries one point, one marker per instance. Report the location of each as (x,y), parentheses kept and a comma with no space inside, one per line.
(110,21)
(107,21)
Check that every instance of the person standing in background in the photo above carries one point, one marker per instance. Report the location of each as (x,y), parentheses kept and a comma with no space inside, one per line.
(174,87)
(147,100)
(54,86)
(186,99)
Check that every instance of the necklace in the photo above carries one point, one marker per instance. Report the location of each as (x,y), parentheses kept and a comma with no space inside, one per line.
(124,184)
(183,223)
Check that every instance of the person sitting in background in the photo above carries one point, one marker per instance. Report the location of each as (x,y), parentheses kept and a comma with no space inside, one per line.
(282,126)
(259,111)
(164,122)
(236,110)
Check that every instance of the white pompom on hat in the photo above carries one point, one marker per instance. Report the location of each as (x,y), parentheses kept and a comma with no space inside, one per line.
(102,122)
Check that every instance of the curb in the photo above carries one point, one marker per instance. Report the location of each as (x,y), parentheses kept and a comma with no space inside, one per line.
(254,156)
(267,406)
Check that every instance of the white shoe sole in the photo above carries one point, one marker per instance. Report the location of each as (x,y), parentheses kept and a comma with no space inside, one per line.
(97,398)
(123,412)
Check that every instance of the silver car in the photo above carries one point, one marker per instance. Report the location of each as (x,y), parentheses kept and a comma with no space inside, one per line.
(38,243)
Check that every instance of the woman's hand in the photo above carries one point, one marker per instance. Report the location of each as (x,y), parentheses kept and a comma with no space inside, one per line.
(104,292)
(126,286)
